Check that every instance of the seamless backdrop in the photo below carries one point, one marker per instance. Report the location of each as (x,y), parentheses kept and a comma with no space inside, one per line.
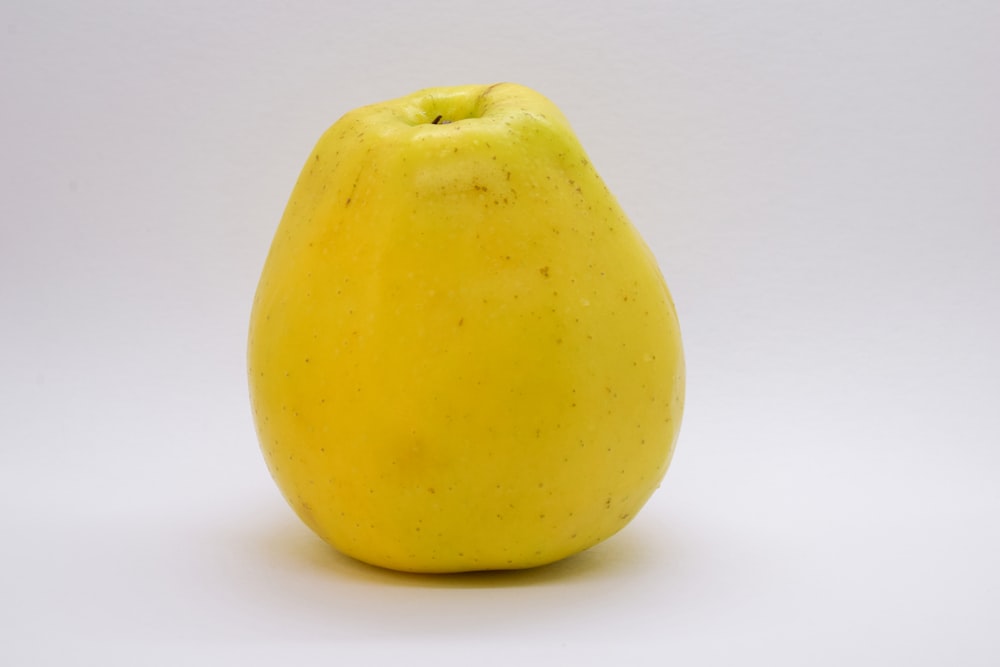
(819,180)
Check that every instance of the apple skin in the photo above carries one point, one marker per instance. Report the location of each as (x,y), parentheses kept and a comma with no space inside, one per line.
(462,356)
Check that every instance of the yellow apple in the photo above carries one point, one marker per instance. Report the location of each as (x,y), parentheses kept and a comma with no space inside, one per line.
(462,355)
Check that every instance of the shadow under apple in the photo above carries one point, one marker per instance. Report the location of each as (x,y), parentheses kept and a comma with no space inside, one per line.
(290,585)
(291,545)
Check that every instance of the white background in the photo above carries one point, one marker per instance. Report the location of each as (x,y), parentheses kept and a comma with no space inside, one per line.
(821,184)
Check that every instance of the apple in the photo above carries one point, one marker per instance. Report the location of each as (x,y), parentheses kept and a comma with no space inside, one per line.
(462,356)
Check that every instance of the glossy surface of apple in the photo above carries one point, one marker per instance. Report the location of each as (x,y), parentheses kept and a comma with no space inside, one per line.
(462,356)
